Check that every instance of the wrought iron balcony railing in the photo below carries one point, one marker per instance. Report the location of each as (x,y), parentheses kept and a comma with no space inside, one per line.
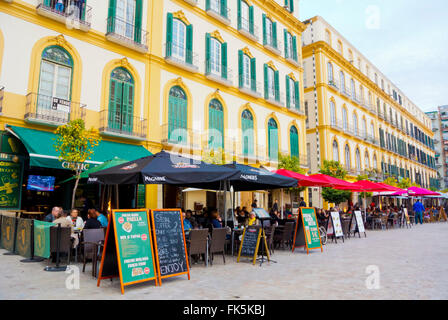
(122,124)
(248,29)
(52,110)
(181,56)
(127,34)
(75,14)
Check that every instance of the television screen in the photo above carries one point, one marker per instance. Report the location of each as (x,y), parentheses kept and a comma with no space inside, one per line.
(41,183)
(261,213)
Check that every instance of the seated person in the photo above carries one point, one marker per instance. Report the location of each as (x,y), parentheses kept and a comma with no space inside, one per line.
(252,219)
(61,219)
(191,219)
(187,224)
(241,218)
(52,216)
(275,216)
(76,220)
(101,218)
(92,221)
(216,220)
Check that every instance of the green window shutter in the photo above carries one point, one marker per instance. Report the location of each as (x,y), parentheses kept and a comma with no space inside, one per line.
(294,141)
(127,110)
(291,5)
(247,127)
(277,85)
(224,8)
(288,94)
(216,122)
(224,60)
(115,103)
(287,53)
(177,119)
(110,16)
(47,3)
(297,94)
(251,20)
(138,21)
(264,30)
(207,4)
(266,90)
(273,143)
(294,49)
(207,53)
(169,34)
(253,74)
(240,68)
(189,45)
(239,14)
(274,31)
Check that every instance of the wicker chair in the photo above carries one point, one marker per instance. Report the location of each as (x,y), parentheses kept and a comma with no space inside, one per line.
(284,236)
(270,233)
(65,245)
(198,244)
(93,239)
(218,243)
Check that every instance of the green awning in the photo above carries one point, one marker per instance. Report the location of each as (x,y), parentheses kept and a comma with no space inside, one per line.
(106,165)
(40,146)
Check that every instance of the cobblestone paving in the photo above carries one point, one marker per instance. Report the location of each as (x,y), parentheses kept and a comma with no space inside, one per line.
(413,264)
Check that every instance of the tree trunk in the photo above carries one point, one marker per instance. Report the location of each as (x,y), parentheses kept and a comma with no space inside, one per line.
(78,174)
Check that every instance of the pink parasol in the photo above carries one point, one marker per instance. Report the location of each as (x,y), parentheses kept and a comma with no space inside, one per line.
(303,181)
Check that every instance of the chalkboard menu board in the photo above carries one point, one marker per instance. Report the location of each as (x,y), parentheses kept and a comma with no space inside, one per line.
(307,231)
(250,243)
(10,185)
(133,248)
(170,243)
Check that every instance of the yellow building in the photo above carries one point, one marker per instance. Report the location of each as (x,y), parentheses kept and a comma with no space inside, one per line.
(213,78)
(356,116)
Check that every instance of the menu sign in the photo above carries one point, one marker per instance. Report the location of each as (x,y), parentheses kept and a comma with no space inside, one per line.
(336,219)
(170,243)
(250,243)
(133,244)
(307,231)
(357,224)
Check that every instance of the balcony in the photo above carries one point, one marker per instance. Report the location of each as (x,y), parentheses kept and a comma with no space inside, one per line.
(333,83)
(273,46)
(122,125)
(344,91)
(218,73)
(2,97)
(126,34)
(181,57)
(276,100)
(192,2)
(219,12)
(248,29)
(251,88)
(73,15)
(42,109)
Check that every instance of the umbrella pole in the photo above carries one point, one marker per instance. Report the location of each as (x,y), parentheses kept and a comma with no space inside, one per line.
(117,203)
(283,217)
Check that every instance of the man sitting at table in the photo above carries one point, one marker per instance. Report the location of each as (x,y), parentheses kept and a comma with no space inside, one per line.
(53,215)
(75,219)
(101,218)
(187,224)
(65,223)
(92,221)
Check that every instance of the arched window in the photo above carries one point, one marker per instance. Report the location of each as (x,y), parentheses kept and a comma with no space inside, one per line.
(366,160)
(335,151)
(330,73)
(179,39)
(364,128)
(355,124)
(273,139)
(348,163)
(344,119)
(332,113)
(177,116)
(352,83)
(372,130)
(216,125)
(55,82)
(342,81)
(358,161)
(294,141)
(247,127)
(121,101)
(375,162)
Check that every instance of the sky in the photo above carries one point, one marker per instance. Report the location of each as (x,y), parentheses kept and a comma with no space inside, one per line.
(407,40)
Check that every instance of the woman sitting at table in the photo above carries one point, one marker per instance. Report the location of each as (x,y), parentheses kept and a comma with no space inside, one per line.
(216,220)
(252,219)
(92,221)
(76,221)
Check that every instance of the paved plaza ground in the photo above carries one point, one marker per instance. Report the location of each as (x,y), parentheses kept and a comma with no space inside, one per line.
(413,264)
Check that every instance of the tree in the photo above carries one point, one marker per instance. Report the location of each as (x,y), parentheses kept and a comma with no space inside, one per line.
(292,164)
(391,181)
(334,169)
(75,145)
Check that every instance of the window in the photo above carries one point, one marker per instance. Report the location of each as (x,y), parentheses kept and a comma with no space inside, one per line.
(294,141)
(247,71)
(292,93)
(375,162)
(273,139)
(290,46)
(245,17)
(358,161)
(330,73)
(290,5)
(342,80)
(355,124)
(125,19)
(347,157)
(216,125)
(344,119)
(332,113)
(364,128)
(55,82)
(335,151)
(269,32)
(121,103)
(366,160)
(177,116)
(328,37)
(247,127)
(372,130)
(179,40)
(271,83)
(340,47)
(216,56)
(352,83)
